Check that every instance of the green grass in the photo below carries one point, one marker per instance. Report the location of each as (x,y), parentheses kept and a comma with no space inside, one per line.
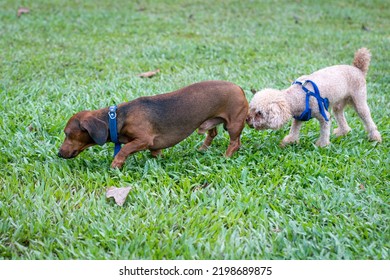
(300,202)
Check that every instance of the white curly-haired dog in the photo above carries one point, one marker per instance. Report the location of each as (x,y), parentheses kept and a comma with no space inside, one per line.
(340,84)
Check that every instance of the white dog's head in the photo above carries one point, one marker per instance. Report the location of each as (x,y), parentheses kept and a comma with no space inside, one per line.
(268,109)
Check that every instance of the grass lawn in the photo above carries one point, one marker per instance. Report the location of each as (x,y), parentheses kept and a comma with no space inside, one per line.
(300,202)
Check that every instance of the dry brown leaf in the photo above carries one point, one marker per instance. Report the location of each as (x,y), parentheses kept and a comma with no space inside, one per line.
(277,229)
(365,28)
(361,186)
(148,74)
(23,10)
(197,188)
(119,194)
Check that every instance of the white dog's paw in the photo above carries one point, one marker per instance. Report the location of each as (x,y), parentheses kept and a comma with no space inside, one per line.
(322,143)
(288,140)
(341,132)
(375,136)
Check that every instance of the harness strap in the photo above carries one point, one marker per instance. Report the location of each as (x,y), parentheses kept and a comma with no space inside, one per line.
(113,128)
(323,103)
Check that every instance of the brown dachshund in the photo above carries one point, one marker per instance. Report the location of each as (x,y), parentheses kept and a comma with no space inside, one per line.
(161,121)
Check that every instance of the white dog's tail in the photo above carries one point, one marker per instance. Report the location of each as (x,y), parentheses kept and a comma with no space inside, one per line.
(362,60)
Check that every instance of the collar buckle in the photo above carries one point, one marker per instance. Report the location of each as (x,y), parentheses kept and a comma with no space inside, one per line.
(112,112)
(113,128)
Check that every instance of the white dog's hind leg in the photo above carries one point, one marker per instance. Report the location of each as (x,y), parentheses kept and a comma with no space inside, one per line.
(343,127)
(293,136)
(324,131)
(364,113)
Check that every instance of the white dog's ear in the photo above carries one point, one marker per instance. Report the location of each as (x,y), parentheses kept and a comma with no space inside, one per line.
(278,114)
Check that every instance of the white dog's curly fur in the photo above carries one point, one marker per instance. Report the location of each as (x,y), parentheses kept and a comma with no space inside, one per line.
(341,84)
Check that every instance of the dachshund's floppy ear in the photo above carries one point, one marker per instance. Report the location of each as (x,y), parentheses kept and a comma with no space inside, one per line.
(97,129)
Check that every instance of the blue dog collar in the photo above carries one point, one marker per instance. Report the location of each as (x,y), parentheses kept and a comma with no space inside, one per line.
(323,103)
(113,128)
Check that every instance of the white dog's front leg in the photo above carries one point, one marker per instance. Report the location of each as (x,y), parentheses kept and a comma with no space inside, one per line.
(324,132)
(293,136)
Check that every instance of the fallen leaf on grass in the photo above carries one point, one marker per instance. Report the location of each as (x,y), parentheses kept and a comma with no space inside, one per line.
(277,229)
(361,186)
(365,28)
(148,74)
(119,194)
(31,128)
(23,10)
(197,188)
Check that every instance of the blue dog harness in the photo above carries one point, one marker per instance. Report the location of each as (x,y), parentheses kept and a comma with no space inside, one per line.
(113,128)
(323,103)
